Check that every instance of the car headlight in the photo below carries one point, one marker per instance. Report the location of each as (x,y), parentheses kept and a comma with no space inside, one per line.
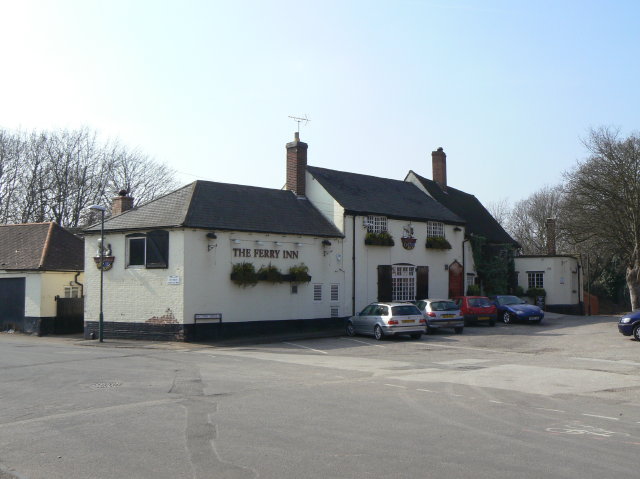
(520,313)
(625,320)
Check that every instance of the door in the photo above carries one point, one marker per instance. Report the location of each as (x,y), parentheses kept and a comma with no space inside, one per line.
(456,281)
(12,294)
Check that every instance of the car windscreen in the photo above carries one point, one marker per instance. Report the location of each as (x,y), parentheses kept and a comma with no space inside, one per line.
(404,310)
(444,306)
(510,300)
(479,302)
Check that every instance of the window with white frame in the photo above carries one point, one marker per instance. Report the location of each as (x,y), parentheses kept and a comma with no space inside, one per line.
(435,228)
(335,311)
(376,224)
(403,282)
(71,291)
(317,292)
(335,292)
(535,279)
(471,279)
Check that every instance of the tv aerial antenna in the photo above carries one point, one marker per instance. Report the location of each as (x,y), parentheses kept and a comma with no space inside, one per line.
(299,120)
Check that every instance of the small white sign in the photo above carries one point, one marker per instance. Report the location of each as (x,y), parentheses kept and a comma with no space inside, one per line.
(173,280)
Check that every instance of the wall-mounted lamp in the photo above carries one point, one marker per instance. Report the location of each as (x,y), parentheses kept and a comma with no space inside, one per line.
(261,243)
(457,228)
(446,267)
(236,241)
(211,235)
(326,243)
(298,244)
(277,243)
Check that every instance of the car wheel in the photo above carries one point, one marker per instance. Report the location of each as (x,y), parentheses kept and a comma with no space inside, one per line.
(636,332)
(458,330)
(506,317)
(416,335)
(378,333)
(351,331)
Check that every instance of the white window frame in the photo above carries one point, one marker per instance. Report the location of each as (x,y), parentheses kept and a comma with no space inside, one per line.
(144,255)
(317,292)
(471,279)
(435,228)
(535,279)
(376,224)
(334,311)
(72,291)
(403,281)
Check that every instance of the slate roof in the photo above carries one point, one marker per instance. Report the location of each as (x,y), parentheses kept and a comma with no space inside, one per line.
(40,247)
(364,195)
(223,206)
(479,221)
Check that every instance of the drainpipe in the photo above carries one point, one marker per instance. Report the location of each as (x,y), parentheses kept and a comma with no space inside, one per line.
(464,270)
(75,280)
(353,267)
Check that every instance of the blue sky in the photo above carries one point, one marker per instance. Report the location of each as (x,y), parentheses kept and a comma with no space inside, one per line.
(507,88)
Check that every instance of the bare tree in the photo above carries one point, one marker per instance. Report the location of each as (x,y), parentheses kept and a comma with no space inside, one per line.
(527,221)
(602,205)
(501,211)
(55,176)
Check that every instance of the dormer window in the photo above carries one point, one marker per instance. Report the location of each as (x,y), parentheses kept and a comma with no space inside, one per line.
(376,224)
(435,228)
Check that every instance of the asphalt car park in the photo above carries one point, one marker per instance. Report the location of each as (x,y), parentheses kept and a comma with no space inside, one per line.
(563,393)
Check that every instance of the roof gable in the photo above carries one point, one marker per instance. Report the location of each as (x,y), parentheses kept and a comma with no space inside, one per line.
(479,221)
(224,206)
(364,194)
(40,246)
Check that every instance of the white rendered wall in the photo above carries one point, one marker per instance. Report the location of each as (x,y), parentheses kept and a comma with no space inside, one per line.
(560,277)
(324,202)
(134,294)
(209,289)
(52,284)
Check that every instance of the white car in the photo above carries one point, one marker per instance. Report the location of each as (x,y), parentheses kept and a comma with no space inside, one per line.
(441,313)
(387,319)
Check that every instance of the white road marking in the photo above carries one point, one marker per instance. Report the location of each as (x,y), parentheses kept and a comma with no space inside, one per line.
(396,386)
(551,410)
(497,402)
(603,417)
(305,347)
(363,342)
(425,390)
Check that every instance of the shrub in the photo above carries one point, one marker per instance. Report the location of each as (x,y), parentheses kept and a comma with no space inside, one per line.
(473,290)
(379,239)
(270,274)
(299,273)
(244,274)
(438,242)
(535,292)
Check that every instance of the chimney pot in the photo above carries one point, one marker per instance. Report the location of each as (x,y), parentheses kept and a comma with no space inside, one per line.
(439,166)
(551,236)
(296,165)
(121,203)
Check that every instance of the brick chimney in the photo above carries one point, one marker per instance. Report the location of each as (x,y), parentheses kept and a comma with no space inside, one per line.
(439,164)
(551,236)
(121,203)
(296,165)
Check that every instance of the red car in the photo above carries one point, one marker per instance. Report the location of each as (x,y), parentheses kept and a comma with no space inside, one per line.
(476,309)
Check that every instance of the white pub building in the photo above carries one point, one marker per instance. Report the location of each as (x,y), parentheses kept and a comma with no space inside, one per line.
(215,260)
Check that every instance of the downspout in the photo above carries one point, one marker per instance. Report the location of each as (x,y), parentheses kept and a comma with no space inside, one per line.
(464,269)
(353,267)
(75,280)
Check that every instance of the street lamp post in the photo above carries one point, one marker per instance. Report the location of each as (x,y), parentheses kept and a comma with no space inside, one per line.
(101,209)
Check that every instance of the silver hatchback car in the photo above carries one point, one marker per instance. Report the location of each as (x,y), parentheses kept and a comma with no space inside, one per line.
(441,313)
(387,319)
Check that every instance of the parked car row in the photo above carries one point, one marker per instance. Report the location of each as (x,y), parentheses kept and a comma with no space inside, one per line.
(391,319)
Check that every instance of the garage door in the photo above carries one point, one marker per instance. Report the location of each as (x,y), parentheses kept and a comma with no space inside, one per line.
(11,302)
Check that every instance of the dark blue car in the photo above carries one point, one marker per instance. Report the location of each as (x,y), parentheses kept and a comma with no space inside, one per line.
(630,324)
(512,308)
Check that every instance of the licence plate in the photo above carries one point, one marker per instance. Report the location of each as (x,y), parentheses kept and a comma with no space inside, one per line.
(408,321)
(533,318)
(448,315)
(483,317)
